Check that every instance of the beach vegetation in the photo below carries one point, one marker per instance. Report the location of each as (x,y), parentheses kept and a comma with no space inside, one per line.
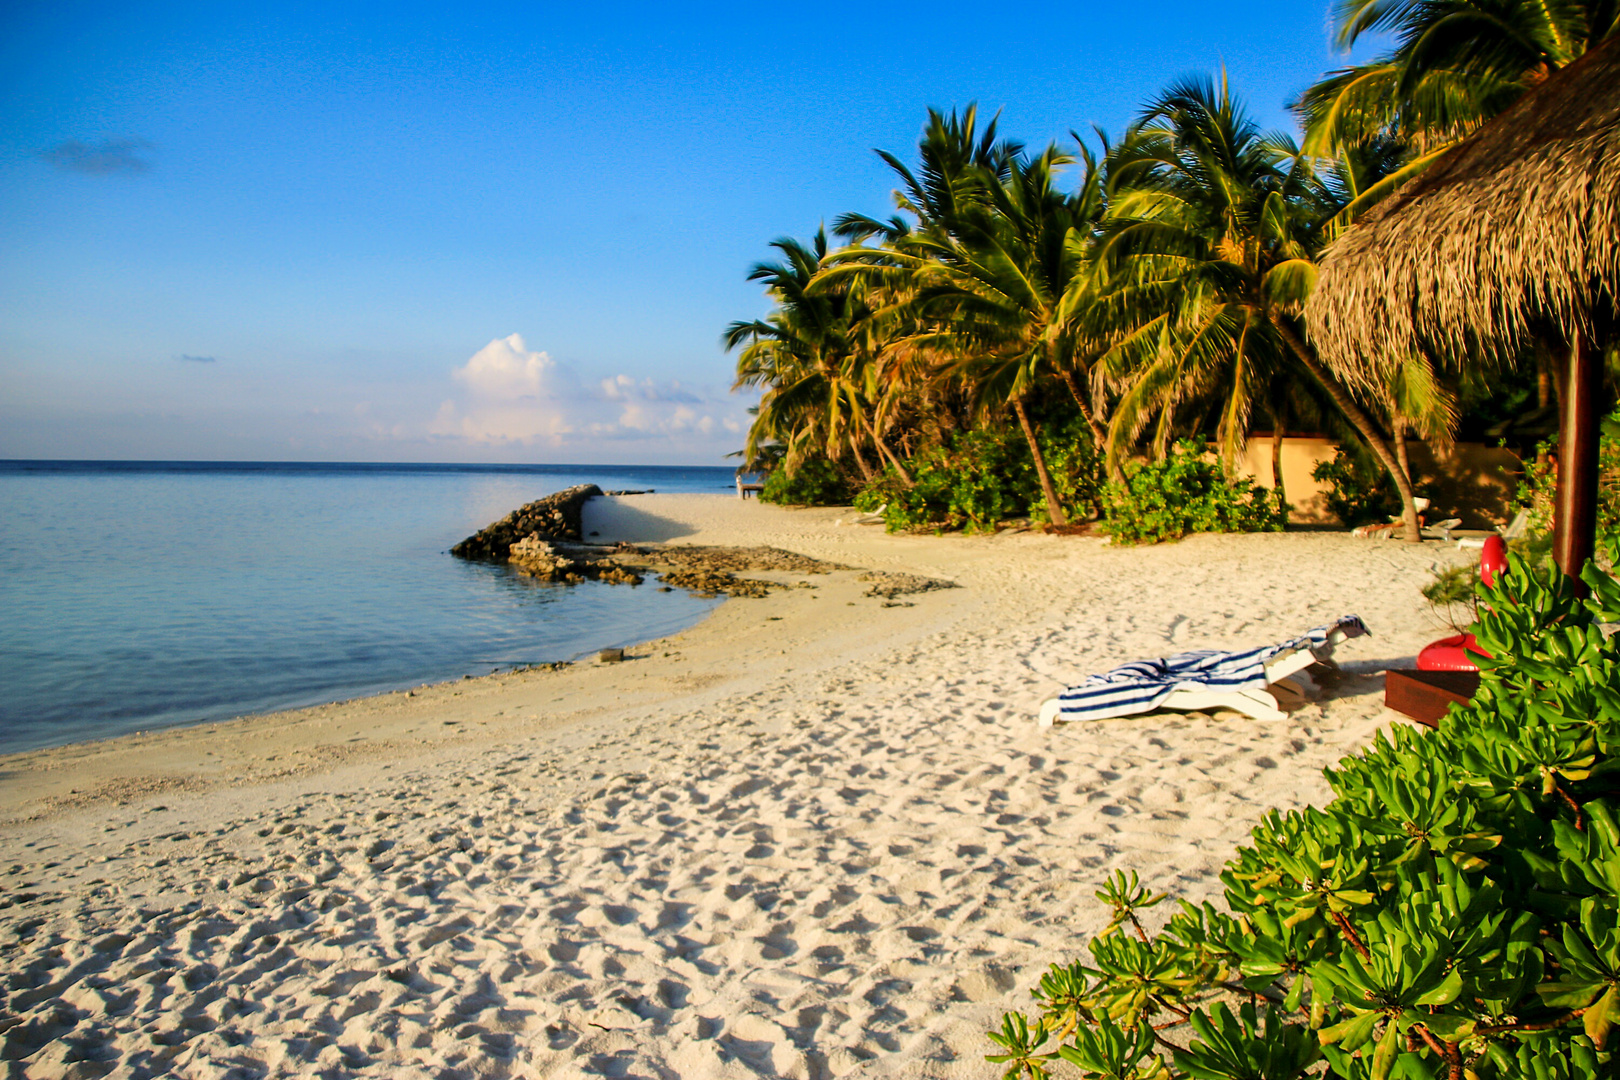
(1151,286)
(1154,300)
(1453,912)
(812,481)
(1187,491)
(1538,486)
(1358,491)
(980,477)
(1452,592)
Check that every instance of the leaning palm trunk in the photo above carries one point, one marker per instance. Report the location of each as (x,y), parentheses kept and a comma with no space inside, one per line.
(889,455)
(1402,453)
(1099,434)
(1362,422)
(1053,509)
(1073,384)
(860,458)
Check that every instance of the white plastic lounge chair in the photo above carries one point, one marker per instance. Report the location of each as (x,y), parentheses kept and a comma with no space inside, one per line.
(874,518)
(1443,528)
(1512,531)
(1249,682)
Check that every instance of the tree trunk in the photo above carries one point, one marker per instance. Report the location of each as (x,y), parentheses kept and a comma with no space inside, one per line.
(860,458)
(1054,509)
(1360,420)
(1276,458)
(1575,522)
(883,449)
(899,466)
(1399,438)
(1099,434)
(1543,399)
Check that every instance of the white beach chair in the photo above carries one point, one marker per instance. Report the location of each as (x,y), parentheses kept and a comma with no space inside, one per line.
(1441,530)
(1512,531)
(1255,683)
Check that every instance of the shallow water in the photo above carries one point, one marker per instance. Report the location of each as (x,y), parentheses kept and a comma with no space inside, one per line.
(143,595)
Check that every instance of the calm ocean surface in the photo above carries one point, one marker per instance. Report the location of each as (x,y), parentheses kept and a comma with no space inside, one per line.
(137,595)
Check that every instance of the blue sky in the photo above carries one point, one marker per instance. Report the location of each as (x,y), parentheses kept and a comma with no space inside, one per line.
(489,233)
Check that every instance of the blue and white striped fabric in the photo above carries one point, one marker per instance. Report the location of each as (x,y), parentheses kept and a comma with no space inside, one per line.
(1139,687)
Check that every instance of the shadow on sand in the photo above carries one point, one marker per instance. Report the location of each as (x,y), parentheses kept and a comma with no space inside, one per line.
(608,520)
(1359,677)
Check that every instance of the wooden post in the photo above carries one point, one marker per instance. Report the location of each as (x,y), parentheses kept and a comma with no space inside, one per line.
(1575,523)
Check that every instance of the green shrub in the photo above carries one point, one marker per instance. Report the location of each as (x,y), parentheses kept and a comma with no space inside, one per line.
(1451,593)
(815,482)
(982,477)
(1453,912)
(1359,488)
(1183,493)
(1539,485)
(1076,467)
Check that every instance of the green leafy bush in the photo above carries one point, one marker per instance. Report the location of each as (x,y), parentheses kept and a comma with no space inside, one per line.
(1076,468)
(982,477)
(1183,493)
(1539,486)
(815,482)
(1451,593)
(1359,488)
(1453,912)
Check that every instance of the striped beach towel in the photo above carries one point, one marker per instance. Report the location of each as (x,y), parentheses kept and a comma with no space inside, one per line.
(1141,686)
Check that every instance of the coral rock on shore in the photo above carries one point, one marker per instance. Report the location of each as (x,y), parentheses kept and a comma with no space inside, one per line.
(555,517)
(537,558)
(714,569)
(889,585)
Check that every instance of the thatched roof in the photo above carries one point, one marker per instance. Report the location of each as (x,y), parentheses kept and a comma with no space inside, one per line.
(1518,223)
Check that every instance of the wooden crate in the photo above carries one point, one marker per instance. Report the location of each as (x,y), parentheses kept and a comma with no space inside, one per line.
(1425,695)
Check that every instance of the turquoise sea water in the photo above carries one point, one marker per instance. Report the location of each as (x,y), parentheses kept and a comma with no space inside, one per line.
(137,595)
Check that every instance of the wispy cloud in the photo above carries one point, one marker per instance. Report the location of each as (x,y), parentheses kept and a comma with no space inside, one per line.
(108,157)
(189,359)
(624,388)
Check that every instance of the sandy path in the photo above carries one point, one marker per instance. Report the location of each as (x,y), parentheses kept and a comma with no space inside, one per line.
(819,837)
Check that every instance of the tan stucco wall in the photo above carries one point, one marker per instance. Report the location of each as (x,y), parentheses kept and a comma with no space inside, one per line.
(1470,480)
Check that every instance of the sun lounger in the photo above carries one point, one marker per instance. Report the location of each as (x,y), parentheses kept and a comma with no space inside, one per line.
(1249,682)
(1514,529)
(1441,530)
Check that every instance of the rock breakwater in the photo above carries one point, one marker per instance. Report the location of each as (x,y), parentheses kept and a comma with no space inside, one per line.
(555,517)
(543,540)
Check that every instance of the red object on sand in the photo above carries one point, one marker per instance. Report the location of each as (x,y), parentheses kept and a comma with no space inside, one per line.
(1451,654)
(1492,559)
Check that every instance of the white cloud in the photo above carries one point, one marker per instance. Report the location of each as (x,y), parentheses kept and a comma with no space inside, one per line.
(505,368)
(624,388)
(509,394)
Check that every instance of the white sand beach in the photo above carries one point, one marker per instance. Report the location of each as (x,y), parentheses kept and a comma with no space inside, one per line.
(819,834)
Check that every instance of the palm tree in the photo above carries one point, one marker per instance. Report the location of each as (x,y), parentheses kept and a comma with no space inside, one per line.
(1454,65)
(807,355)
(1214,231)
(956,164)
(978,279)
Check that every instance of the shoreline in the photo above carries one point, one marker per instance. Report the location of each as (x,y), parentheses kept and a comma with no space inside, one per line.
(40,782)
(801,838)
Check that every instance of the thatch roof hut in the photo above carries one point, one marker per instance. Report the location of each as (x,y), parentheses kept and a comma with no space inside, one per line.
(1512,235)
